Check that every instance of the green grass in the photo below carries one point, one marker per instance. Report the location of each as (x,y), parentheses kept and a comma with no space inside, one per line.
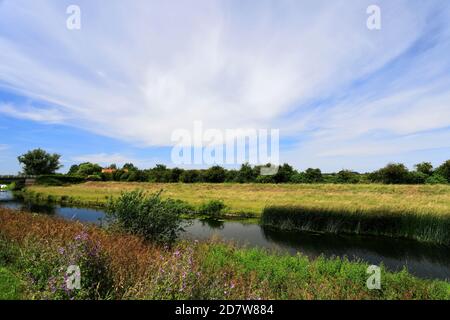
(135,269)
(253,198)
(10,285)
(297,277)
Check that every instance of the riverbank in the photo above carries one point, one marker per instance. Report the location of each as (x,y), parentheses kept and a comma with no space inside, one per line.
(120,266)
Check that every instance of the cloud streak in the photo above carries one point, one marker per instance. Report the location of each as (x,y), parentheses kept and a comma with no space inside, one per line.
(310,68)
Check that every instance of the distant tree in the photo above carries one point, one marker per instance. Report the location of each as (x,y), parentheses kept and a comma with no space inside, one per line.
(39,162)
(313,175)
(130,167)
(245,174)
(175,174)
(214,174)
(190,176)
(73,169)
(88,169)
(284,173)
(159,174)
(444,170)
(113,166)
(425,168)
(393,173)
(347,176)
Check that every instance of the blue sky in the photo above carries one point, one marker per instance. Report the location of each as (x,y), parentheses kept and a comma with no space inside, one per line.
(343,96)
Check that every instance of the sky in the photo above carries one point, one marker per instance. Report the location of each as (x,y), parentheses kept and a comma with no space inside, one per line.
(114,91)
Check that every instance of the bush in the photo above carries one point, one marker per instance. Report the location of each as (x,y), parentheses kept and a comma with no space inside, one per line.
(94,177)
(265,179)
(190,176)
(313,175)
(59,179)
(444,170)
(150,216)
(298,178)
(214,174)
(347,176)
(393,173)
(436,179)
(212,209)
(417,177)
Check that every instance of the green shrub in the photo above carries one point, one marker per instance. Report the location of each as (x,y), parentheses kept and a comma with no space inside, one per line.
(264,179)
(347,176)
(59,179)
(212,208)
(393,173)
(436,179)
(415,177)
(94,177)
(150,216)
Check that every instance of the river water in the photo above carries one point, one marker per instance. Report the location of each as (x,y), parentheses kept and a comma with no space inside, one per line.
(422,260)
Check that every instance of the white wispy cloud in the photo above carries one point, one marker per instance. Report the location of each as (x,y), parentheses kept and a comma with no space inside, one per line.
(140,72)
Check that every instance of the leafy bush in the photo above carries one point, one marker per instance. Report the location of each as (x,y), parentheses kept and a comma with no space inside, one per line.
(150,216)
(59,179)
(212,208)
(190,176)
(264,179)
(415,177)
(214,174)
(347,176)
(444,170)
(436,179)
(313,175)
(425,168)
(94,177)
(298,178)
(393,173)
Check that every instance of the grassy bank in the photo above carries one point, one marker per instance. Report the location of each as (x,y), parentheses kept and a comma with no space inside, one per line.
(120,266)
(253,198)
(379,222)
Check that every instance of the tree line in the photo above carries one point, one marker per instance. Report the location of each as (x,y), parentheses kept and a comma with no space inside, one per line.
(39,162)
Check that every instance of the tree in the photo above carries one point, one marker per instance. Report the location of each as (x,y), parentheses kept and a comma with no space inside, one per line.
(393,173)
(313,175)
(245,174)
(425,168)
(130,167)
(347,176)
(284,174)
(214,174)
(444,170)
(39,162)
(88,169)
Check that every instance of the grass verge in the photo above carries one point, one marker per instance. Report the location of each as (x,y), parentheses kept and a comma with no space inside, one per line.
(115,265)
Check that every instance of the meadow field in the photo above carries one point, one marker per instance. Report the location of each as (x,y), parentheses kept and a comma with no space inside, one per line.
(253,198)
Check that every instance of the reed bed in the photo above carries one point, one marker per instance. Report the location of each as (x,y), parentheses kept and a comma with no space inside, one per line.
(378,222)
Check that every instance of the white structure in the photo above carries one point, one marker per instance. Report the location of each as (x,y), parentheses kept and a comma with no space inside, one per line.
(3,187)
